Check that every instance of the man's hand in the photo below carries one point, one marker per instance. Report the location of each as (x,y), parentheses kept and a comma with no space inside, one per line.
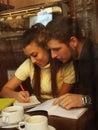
(69,101)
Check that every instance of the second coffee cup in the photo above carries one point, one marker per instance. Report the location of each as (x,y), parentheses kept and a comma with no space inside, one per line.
(36,122)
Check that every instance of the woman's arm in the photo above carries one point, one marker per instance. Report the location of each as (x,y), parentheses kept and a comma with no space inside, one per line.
(8,90)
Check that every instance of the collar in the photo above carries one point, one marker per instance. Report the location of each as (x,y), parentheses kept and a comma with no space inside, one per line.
(46,66)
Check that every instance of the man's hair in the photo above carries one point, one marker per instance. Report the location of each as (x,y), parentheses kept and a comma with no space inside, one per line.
(63,28)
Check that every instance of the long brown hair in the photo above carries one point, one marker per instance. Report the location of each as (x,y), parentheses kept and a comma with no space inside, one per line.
(55,65)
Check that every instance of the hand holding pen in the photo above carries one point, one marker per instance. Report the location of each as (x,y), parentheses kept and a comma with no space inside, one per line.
(23,96)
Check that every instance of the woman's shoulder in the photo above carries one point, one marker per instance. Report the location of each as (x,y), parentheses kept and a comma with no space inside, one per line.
(68,66)
(27,62)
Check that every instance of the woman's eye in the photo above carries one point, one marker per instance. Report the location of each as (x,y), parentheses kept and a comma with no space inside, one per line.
(34,54)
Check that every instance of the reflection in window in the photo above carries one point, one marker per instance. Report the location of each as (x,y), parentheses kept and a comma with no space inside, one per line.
(45,15)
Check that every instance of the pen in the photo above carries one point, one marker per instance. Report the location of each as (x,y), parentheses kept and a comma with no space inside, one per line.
(22,88)
(25,95)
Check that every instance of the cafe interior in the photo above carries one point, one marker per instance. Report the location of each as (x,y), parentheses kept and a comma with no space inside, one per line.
(16,16)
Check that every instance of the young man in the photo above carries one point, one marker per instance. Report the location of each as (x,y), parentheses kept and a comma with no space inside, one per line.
(67,42)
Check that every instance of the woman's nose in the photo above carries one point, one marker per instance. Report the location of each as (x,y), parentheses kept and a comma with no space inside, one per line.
(33,60)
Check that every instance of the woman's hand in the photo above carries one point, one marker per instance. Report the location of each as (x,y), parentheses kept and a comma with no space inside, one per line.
(69,101)
(23,96)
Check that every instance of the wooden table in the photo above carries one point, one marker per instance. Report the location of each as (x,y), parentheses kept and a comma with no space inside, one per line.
(71,124)
(65,123)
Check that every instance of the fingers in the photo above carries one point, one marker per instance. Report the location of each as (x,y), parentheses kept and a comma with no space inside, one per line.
(69,101)
(60,99)
(66,102)
(23,96)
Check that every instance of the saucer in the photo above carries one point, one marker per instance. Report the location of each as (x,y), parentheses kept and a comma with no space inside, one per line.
(3,125)
(51,127)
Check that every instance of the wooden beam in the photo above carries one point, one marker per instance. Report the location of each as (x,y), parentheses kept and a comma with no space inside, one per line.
(5,7)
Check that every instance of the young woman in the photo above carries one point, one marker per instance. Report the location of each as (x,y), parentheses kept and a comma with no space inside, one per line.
(49,78)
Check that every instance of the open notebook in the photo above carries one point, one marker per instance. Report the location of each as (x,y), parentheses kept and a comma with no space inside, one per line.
(59,111)
(5,102)
(33,102)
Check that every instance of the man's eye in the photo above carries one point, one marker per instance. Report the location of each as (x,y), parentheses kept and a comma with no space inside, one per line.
(57,49)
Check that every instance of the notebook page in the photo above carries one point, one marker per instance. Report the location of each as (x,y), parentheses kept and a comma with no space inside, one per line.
(59,111)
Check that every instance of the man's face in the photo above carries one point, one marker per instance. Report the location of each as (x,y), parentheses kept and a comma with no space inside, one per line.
(60,50)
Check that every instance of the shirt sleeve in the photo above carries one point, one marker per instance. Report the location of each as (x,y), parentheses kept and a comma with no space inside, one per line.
(69,74)
(25,70)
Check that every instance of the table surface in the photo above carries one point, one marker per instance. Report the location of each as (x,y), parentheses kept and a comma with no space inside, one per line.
(64,123)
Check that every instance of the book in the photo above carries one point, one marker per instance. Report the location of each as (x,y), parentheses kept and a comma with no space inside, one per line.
(5,102)
(33,102)
(57,110)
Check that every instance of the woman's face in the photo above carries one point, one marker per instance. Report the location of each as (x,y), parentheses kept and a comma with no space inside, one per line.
(38,55)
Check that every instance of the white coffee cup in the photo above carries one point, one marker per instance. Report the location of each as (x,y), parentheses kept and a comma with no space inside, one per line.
(12,114)
(35,122)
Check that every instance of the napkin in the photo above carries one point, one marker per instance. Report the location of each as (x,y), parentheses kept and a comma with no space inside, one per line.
(5,102)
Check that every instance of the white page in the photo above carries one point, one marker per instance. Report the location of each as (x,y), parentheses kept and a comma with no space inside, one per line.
(33,102)
(59,111)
